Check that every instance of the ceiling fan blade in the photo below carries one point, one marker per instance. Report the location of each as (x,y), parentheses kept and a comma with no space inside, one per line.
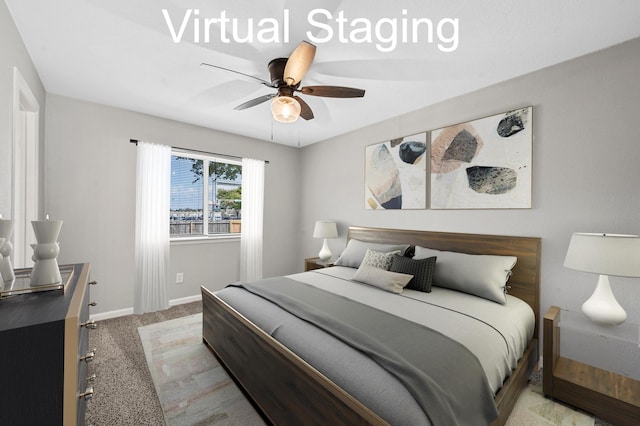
(305,109)
(254,102)
(210,66)
(332,91)
(298,63)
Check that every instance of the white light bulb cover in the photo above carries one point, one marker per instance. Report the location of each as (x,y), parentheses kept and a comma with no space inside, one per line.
(299,62)
(285,109)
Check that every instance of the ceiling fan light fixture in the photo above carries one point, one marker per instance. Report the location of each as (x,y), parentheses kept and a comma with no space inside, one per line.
(298,63)
(285,109)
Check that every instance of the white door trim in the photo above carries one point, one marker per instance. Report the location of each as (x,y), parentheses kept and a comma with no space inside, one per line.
(25,170)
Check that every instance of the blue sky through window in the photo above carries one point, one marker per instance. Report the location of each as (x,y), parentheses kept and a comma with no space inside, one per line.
(185,193)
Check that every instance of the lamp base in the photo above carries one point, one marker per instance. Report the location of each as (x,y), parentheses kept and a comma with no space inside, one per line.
(602,307)
(325,253)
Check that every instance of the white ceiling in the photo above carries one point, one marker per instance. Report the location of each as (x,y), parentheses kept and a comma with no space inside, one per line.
(121,53)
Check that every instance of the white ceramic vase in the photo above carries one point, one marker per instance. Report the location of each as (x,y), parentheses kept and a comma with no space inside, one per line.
(1,279)
(6,268)
(45,252)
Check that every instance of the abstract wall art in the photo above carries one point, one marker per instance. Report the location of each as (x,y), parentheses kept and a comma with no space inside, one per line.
(483,164)
(396,174)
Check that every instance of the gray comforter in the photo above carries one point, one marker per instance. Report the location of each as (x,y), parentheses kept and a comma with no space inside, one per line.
(444,377)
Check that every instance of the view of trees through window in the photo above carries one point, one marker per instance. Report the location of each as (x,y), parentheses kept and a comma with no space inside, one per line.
(206,196)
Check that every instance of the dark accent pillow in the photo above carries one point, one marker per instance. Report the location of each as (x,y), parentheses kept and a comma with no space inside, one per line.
(421,269)
(410,251)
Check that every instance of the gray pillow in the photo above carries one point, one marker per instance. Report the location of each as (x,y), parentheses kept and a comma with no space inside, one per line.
(421,269)
(481,275)
(354,252)
(381,278)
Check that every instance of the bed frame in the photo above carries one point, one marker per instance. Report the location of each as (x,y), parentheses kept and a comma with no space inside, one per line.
(287,390)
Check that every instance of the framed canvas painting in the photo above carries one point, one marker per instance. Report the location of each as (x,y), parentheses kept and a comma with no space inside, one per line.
(396,174)
(483,164)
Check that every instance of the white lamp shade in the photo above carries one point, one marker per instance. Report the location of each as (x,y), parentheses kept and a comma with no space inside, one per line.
(285,109)
(605,254)
(325,229)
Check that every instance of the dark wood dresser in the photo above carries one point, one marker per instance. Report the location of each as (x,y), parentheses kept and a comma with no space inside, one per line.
(44,354)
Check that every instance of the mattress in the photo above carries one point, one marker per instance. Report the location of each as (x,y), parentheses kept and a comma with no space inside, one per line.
(496,334)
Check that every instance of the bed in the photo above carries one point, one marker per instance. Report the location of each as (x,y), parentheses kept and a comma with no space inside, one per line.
(285,386)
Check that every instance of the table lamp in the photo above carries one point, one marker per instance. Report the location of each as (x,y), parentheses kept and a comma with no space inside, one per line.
(325,229)
(604,254)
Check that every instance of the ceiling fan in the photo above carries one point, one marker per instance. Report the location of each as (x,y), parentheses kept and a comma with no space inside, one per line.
(286,75)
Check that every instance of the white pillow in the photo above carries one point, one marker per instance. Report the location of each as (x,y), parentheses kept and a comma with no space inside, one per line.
(378,259)
(386,280)
(355,251)
(481,275)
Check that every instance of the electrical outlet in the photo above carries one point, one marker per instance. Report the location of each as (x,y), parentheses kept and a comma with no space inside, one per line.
(179,277)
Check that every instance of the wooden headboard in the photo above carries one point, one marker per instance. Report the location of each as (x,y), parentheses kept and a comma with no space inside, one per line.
(525,281)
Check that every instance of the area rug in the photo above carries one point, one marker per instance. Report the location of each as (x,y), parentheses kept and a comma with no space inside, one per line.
(532,408)
(195,390)
(192,387)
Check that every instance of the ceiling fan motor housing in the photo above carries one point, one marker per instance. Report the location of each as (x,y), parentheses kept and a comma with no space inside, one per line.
(276,71)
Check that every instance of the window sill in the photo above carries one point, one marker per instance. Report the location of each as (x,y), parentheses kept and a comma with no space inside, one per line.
(225,238)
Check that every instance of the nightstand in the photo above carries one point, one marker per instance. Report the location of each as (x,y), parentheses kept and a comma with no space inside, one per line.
(312,263)
(610,396)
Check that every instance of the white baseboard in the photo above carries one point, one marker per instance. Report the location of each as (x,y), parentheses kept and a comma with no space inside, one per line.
(129,311)
(184,300)
(111,314)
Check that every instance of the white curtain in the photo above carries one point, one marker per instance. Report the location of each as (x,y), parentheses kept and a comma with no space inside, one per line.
(252,214)
(153,183)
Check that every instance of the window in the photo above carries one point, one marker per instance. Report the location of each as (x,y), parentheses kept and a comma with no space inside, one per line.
(206,195)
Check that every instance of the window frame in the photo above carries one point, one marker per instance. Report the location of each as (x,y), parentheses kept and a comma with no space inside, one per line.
(206,158)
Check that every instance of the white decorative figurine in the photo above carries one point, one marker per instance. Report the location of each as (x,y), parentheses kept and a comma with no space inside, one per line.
(45,252)
(1,280)
(6,268)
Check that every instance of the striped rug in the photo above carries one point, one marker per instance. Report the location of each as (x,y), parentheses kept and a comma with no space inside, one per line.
(195,390)
(192,386)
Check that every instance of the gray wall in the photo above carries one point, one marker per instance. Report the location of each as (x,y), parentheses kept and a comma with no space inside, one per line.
(585,168)
(14,54)
(90,168)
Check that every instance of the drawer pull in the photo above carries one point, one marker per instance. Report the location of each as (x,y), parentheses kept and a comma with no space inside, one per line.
(93,282)
(91,378)
(93,303)
(88,357)
(87,394)
(91,324)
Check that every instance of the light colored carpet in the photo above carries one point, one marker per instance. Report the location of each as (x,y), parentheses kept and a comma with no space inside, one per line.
(194,389)
(533,408)
(192,386)
(124,391)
